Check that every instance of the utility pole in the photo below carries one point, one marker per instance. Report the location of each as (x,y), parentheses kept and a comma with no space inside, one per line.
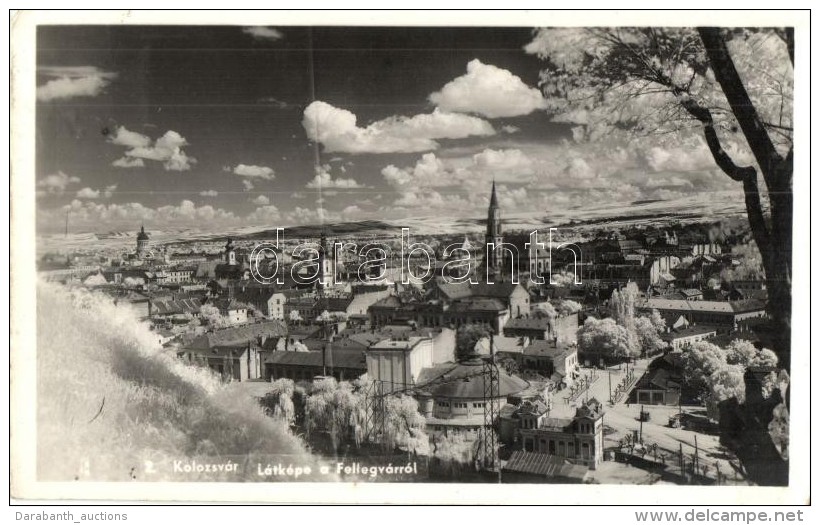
(490,375)
(640,418)
(609,373)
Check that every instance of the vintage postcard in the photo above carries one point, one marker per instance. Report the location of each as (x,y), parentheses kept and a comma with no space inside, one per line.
(395,257)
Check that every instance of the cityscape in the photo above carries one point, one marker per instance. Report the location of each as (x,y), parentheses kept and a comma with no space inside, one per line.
(557,255)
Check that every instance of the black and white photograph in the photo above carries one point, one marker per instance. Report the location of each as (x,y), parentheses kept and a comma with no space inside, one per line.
(317,253)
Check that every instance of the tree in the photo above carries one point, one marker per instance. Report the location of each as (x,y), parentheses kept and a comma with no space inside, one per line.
(335,408)
(728,90)
(657,321)
(744,353)
(299,346)
(648,336)
(467,337)
(454,450)
(404,425)
(605,338)
(700,361)
(749,267)
(725,383)
(622,308)
(568,307)
(294,316)
(779,425)
(545,309)
(212,316)
(622,304)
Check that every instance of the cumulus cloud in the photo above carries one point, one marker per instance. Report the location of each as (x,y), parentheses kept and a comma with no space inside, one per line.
(57,182)
(124,137)
(263,33)
(579,169)
(324,180)
(490,91)
(337,130)
(128,162)
(264,215)
(167,149)
(88,193)
(471,172)
(352,212)
(260,172)
(429,171)
(90,214)
(209,193)
(506,159)
(72,82)
(310,216)
(248,185)
(261,200)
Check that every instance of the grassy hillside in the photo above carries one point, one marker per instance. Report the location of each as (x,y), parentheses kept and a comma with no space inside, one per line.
(112,405)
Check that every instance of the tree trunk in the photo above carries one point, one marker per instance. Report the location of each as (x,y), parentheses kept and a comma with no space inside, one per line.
(774,240)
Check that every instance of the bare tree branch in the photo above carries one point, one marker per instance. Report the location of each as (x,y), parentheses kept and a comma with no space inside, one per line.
(727,76)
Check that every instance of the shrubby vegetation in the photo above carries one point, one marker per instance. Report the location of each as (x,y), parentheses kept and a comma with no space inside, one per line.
(109,398)
(624,335)
(717,373)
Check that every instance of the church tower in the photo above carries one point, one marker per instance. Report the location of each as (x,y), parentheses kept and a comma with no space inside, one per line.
(495,261)
(142,242)
(230,253)
(326,276)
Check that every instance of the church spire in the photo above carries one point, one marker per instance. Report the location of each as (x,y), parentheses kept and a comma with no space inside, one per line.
(493,235)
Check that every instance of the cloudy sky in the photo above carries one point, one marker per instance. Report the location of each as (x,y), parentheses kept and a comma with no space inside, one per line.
(210,127)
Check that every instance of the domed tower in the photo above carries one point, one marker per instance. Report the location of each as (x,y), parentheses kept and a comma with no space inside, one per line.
(230,253)
(142,242)
(495,260)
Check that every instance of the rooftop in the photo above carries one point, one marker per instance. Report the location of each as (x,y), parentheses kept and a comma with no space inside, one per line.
(464,380)
(337,358)
(544,465)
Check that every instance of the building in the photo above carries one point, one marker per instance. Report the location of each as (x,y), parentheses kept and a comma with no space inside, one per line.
(174,308)
(563,329)
(513,296)
(532,467)
(725,314)
(344,365)
(452,396)
(658,387)
(174,275)
(236,353)
(678,339)
(397,363)
(578,439)
(142,243)
(266,300)
(552,360)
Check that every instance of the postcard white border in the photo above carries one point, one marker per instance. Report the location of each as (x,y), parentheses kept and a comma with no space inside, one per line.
(22,276)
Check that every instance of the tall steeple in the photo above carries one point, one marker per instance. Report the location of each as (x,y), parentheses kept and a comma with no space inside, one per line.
(495,260)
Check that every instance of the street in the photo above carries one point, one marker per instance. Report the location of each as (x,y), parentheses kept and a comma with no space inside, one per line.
(622,419)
